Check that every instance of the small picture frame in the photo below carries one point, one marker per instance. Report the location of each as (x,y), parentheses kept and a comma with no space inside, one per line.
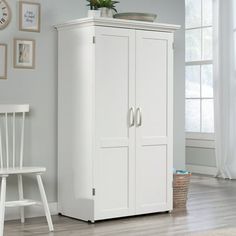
(29,16)
(24,53)
(3,61)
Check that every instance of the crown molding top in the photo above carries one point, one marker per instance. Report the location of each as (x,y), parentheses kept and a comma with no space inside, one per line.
(118,23)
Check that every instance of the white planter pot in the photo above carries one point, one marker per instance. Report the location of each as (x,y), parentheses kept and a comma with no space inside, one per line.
(94,13)
(106,12)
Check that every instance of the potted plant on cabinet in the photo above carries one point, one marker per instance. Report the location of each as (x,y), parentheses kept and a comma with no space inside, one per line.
(94,11)
(107,7)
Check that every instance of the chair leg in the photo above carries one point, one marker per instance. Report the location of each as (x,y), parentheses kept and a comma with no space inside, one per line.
(45,203)
(2,204)
(21,197)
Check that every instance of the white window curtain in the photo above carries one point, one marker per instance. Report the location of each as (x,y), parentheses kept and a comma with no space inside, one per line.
(225,86)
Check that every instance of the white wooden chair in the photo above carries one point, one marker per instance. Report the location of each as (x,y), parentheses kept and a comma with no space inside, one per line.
(12,122)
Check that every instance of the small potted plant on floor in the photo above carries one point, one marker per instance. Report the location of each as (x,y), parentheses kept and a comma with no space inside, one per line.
(108,7)
(94,11)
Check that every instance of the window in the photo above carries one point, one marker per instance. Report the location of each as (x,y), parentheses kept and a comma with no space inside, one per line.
(199,96)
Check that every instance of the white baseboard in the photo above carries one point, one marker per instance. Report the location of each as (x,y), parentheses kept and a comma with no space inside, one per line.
(205,170)
(30,211)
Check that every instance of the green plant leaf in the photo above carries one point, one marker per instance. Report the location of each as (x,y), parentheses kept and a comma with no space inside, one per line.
(107,3)
(94,4)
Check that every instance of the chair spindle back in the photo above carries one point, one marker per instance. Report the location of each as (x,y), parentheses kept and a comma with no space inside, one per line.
(12,128)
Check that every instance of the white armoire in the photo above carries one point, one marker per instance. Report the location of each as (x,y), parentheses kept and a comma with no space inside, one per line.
(115,127)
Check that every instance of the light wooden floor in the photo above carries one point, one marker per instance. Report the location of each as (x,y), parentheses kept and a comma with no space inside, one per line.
(212,205)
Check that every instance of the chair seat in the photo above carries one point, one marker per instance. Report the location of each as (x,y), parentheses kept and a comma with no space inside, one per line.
(23,170)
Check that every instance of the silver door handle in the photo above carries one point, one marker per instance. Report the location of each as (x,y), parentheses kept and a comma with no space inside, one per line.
(131,117)
(139,119)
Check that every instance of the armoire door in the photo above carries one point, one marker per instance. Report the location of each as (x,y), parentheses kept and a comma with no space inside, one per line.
(154,120)
(114,122)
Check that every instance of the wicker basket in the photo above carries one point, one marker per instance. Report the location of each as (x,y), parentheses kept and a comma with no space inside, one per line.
(180,190)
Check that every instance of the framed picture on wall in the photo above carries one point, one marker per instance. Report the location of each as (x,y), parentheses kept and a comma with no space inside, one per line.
(24,53)
(3,61)
(30,16)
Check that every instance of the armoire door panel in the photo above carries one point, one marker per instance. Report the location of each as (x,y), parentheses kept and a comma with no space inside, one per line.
(151,166)
(114,176)
(153,156)
(115,139)
(112,84)
(151,86)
